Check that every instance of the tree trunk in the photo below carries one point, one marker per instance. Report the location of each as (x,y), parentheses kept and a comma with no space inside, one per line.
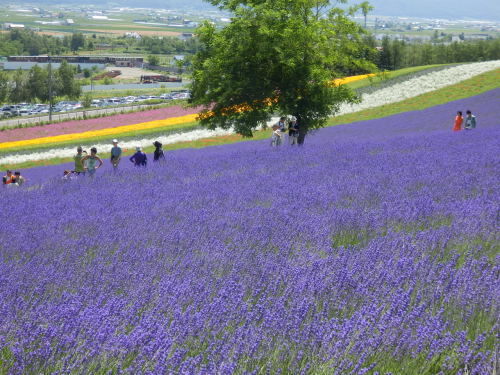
(302,130)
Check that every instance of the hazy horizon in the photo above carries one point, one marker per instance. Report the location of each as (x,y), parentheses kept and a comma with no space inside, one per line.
(488,10)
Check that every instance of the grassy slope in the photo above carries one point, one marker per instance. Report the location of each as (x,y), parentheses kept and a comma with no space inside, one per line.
(471,87)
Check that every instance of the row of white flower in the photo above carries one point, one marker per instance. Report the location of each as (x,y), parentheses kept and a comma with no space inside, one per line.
(420,85)
(395,93)
(101,147)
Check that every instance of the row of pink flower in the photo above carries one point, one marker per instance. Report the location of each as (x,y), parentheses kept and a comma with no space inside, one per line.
(77,126)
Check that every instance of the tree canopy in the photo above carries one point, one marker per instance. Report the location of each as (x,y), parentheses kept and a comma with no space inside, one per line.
(277,56)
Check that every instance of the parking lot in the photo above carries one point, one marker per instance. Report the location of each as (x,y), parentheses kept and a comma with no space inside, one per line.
(24,113)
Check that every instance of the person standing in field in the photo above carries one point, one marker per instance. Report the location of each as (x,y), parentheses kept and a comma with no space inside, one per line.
(158,154)
(18,179)
(470,120)
(79,167)
(276,136)
(458,122)
(139,158)
(293,131)
(92,160)
(282,127)
(9,178)
(116,154)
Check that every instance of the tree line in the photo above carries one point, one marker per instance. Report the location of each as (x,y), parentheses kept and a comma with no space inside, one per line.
(397,54)
(28,42)
(33,85)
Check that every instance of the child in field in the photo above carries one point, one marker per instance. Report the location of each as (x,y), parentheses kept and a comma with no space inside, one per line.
(68,175)
(276,136)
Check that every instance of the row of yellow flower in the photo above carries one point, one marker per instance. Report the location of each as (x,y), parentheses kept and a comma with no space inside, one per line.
(238,108)
(115,131)
(102,132)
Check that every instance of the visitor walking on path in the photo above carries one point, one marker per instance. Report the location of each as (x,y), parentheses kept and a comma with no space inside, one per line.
(458,122)
(116,154)
(92,160)
(139,158)
(79,167)
(293,131)
(470,120)
(158,154)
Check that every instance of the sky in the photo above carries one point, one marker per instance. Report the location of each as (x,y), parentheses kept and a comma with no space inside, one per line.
(451,9)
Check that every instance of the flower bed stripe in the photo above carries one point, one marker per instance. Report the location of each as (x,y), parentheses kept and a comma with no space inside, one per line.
(99,133)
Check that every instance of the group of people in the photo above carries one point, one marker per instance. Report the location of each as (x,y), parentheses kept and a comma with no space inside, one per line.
(280,128)
(88,164)
(468,123)
(13,179)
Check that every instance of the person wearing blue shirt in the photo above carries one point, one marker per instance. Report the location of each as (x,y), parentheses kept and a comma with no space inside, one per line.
(139,158)
(116,154)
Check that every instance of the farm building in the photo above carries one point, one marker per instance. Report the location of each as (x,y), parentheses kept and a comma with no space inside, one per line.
(26,62)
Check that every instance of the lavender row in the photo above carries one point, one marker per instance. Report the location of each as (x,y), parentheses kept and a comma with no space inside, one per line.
(373,249)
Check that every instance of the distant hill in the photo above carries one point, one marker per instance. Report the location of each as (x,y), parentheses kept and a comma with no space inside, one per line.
(452,9)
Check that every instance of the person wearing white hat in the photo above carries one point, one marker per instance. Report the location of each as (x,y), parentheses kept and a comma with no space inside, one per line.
(116,154)
(293,131)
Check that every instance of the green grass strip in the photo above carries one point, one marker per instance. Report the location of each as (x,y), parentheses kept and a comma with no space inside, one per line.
(465,89)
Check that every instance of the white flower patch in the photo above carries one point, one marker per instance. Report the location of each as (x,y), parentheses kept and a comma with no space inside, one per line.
(104,147)
(419,85)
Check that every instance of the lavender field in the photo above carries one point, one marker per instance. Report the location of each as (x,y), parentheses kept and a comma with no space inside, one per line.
(374,249)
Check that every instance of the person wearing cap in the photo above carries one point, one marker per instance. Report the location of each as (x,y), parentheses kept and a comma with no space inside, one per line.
(79,167)
(293,131)
(158,154)
(116,154)
(9,178)
(139,158)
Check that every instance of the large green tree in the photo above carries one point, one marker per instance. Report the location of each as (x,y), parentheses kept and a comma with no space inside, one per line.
(4,87)
(65,83)
(276,56)
(36,84)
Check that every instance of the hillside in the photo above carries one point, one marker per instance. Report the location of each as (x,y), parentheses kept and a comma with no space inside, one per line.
(371,248)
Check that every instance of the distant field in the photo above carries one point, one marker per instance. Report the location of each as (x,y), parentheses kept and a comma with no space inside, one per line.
(124,23)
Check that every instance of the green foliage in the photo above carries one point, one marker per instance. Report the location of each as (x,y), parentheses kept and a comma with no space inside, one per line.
(18,91)
(77,41)
(26,42)
(87,100)
(276,56)
(396,54)
(65,81)
(154,60)
(4,87)
(36,84)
